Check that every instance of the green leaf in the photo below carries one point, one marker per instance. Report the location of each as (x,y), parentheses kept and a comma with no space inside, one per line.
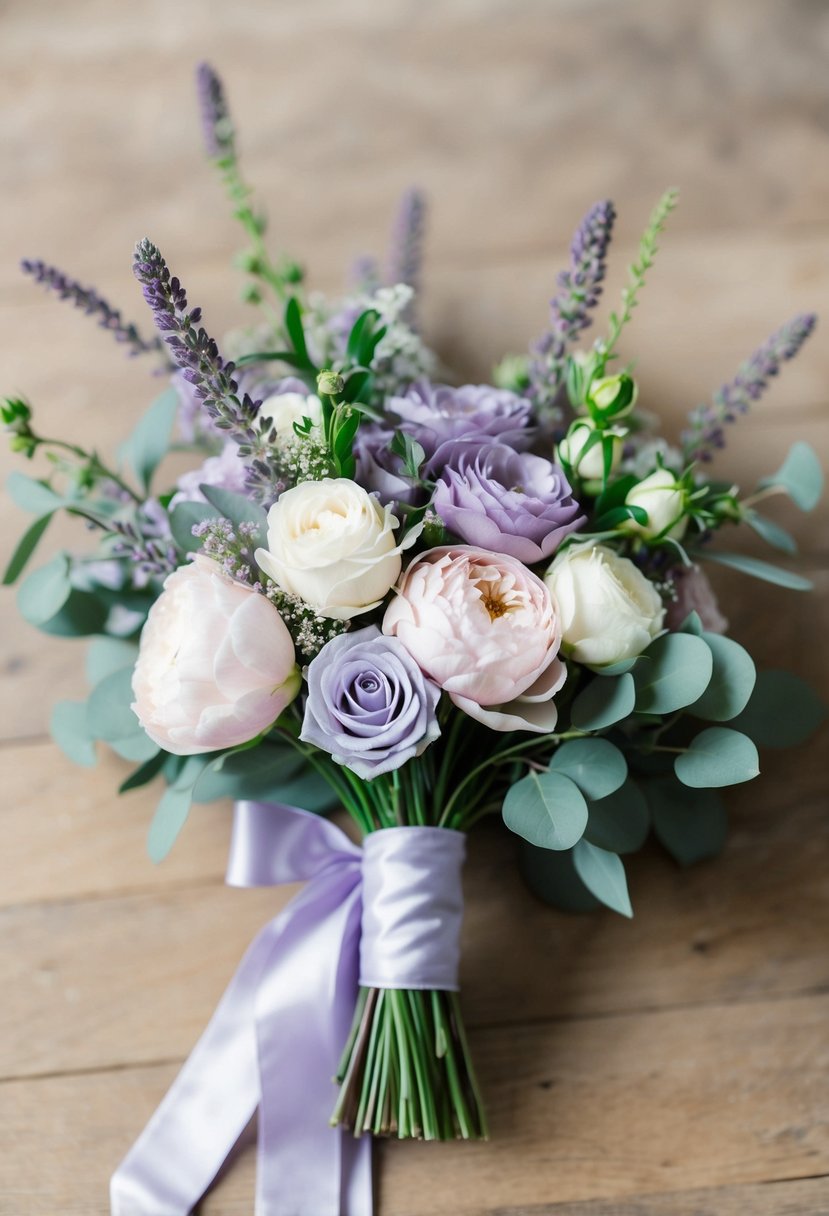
(295,331)
(33,495)
(771,532)
(732,681)
(144,774)
(604,876)
(106,655)
(110,713)
(800,475)
(83,614)
(150,441)
(673,672)
(616,516)
(761,570)
(183,517)
(619,822)
(44,592)
(782,712)
(548,809)
(364,338)
(603,702)
(169,818)
(691,824)
(718,756)
(692,624)
(250,774)
(238,509)
(615,669)
(595,765)
(69,729)
(25,548)
(136,748)
(615,493)
(552,878)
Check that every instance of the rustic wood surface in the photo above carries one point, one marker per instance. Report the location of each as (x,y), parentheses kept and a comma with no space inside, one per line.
(672,1066)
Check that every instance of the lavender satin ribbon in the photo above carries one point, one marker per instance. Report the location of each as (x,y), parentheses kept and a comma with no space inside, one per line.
(275,1039)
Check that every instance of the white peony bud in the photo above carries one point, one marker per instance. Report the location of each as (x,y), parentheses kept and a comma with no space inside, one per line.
(663,498)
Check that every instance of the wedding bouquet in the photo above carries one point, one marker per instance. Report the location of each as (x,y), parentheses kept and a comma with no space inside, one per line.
(423,603)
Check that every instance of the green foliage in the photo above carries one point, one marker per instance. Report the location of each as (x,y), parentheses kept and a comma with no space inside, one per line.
(771,532)
(596,766)
(33,495)
(364,338)
(759,569)
(25,549)
(265,773)
(410,452)
(718,756)
(45,591)
(619,822)
(238,509)
(672,673)
(183,517)
(169,818)
(732,681)
(548,809)
(69,728)
(112,720)
(783,710)
(149,443)
(295,331)
(691,824)
(107,655)
(144,774)
(604,876)
(82,614)
(552,878)
(800,475)
(603,702)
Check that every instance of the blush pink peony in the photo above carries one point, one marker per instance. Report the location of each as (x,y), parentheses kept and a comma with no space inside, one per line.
(486,630)
(216,665)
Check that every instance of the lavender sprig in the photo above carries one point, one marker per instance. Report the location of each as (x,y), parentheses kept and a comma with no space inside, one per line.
(90,303)
(580,288)
(706,432)
(406,252)
(217,125)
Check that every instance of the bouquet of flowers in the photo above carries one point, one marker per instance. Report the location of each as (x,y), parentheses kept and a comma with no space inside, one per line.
(422,603)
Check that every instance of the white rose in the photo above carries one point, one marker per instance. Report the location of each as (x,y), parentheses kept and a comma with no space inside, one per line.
(590,465)
(607,608)
(282,410)
(664,500)
(332,544)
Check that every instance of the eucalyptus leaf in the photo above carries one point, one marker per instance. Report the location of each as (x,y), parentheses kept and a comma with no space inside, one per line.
(616,669)
(621,821)
(771,532)
(33,495)
(762,570)
(237,508)
(552,878)
(70,730)
(716,757)
(44,592)
(800,475)
(782,712)
(692,624)
(596,766)
(548,809)
(691,824)
(169,818)
(110,714)
(673,672)
(25,548)
(84,613)
(251,774)
(150,441)
(106,655)
(603,874)
(183,517)
(732,681)
(144,774)
(604,702)
(137,748)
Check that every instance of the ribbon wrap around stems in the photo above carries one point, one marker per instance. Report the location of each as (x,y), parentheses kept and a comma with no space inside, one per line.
(387,915)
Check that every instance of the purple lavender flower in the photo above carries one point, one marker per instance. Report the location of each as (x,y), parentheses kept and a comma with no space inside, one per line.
(436,415)
(406,252)
(509,502)
(579,290)
(93,305)
(217,125)
(226,471)
(706,432)
(369,705)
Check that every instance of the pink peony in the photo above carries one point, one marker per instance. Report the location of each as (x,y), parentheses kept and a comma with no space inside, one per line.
(486,630)
(216,665)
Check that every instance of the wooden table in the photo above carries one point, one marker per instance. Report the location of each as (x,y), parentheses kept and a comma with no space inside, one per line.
(675,1065)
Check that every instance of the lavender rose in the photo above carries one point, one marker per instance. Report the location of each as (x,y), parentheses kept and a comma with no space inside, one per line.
(369,705)
(506,501)
(437,415)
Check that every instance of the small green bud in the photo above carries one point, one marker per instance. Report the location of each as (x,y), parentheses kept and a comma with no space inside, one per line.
(513,373)
(251,294)
(612,396)
(330,384)
(291,272)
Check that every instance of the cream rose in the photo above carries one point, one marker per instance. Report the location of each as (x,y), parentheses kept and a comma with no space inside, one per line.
(282,410)
(332,544)
(663,498)
(608,609)
(216,665)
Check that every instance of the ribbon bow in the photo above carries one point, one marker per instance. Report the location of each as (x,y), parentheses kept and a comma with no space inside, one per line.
(275,1039)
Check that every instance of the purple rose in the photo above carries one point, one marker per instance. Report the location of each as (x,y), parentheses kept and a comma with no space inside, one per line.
(369,704)
(437,415)
(506,501)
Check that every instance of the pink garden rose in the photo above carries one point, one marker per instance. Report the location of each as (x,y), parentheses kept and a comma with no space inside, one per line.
(486,630)
(216,665)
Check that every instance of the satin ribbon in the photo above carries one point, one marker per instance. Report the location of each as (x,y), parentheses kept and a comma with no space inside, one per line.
(275,1039)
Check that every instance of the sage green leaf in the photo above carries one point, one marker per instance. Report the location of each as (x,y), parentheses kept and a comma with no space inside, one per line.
(716,757)
(615,669)
(32,495)
(604,702)
(150,441)
(604,876)
(621,821)
(800,475)
(552,878)
(106,655)
(44,592)
(137,748)
(238,509)
(771,532)
(144,774)
(732,681)
(183,517)
(692,624)
(70,730)
(84,613)
(762,570)
(782,712)
(673,672)
(595,765)
(169,818)
(25,548)
(110,713)
(249,774)
(547,809)
(692,824)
